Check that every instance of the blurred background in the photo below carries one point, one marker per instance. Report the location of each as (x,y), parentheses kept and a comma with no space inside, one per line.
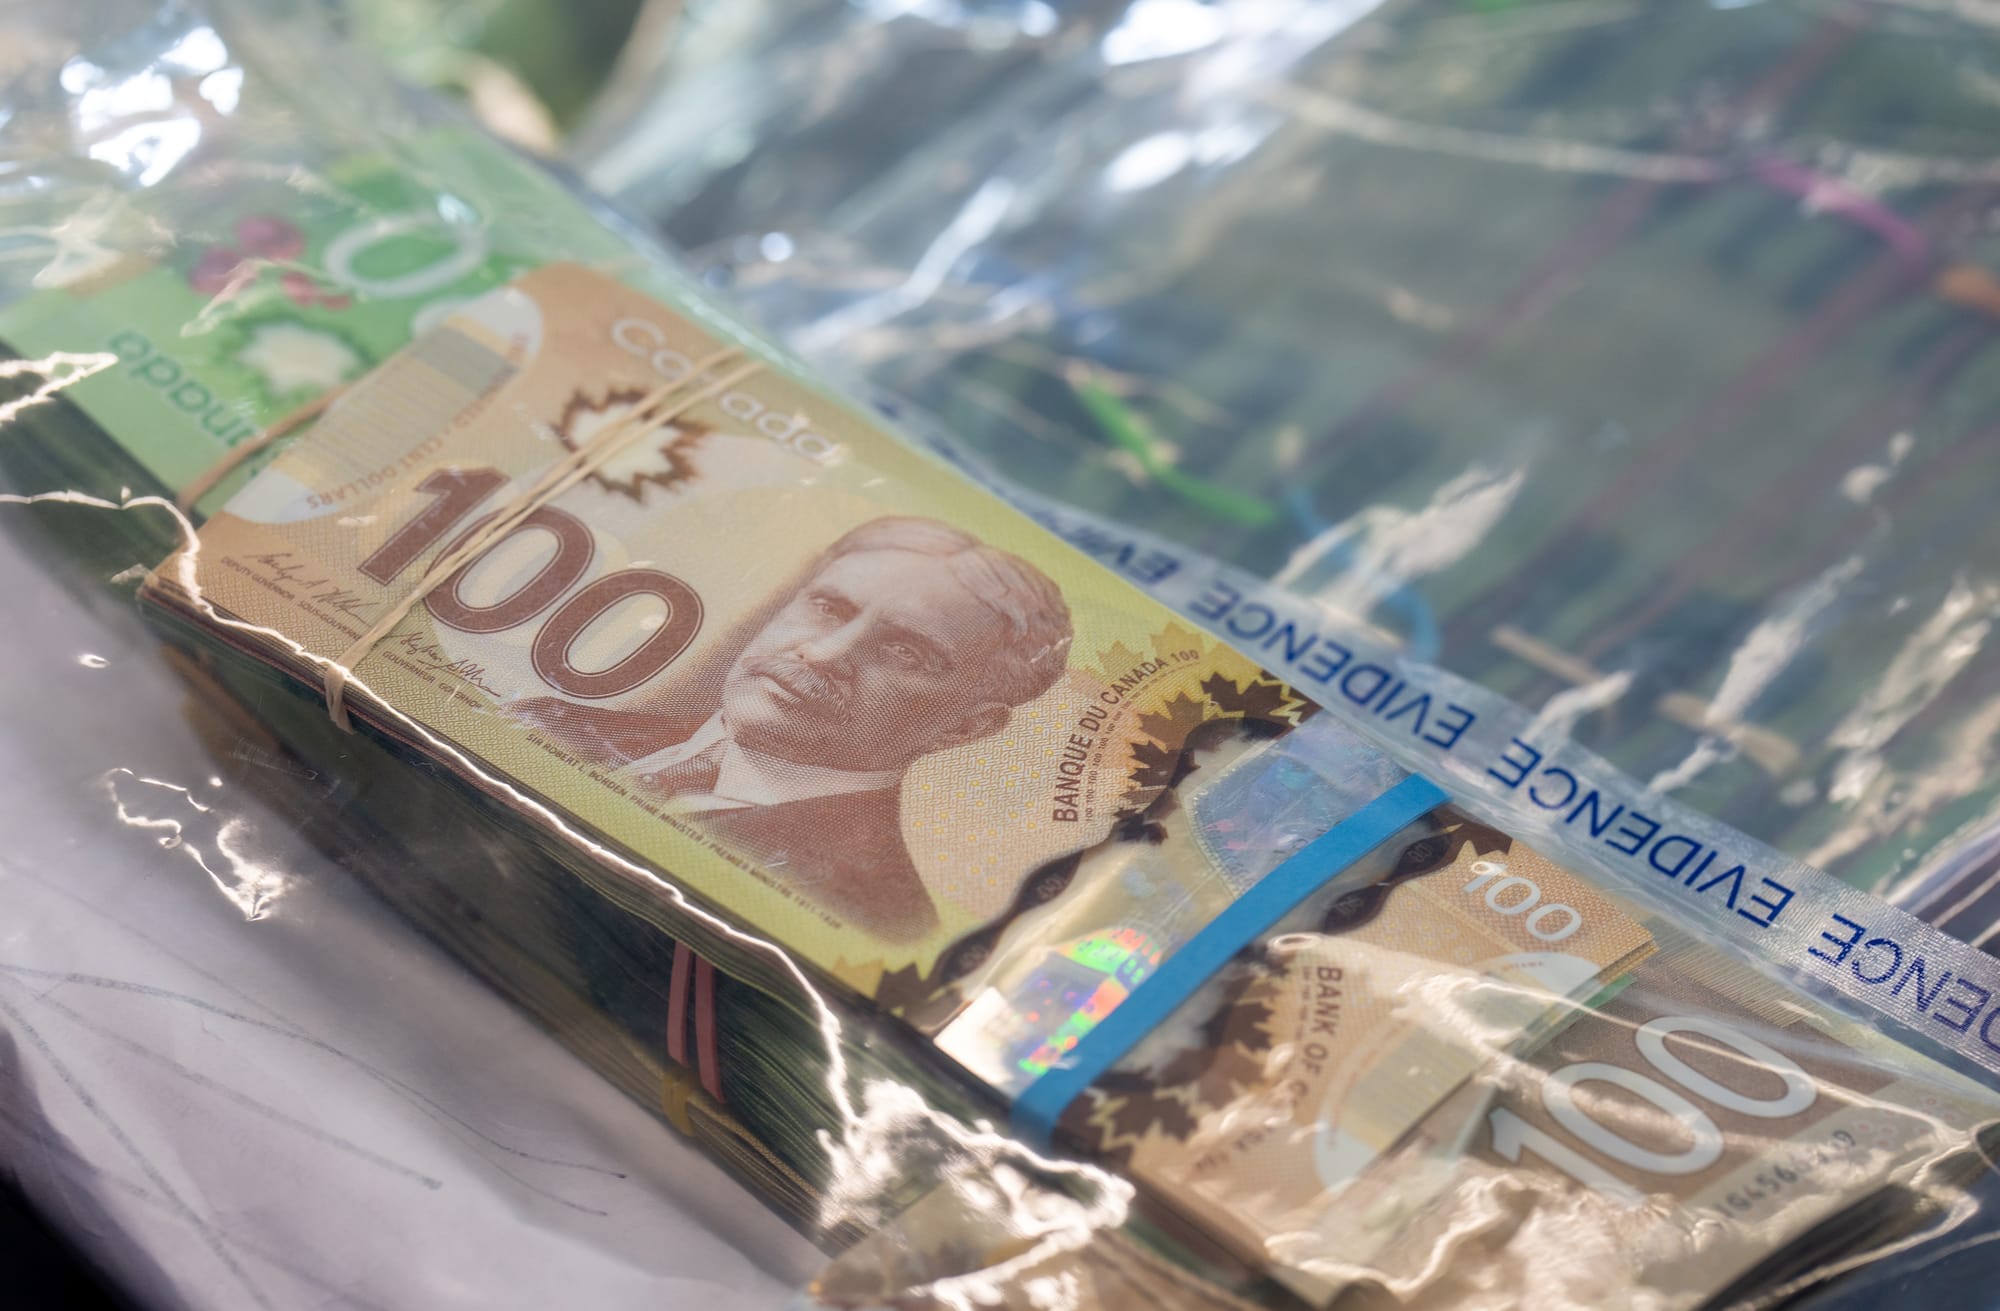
(1630,360)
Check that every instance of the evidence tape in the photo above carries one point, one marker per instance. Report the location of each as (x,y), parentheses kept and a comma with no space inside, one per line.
(1827,939)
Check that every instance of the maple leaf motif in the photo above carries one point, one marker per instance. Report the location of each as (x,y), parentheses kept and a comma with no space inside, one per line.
(676,447)
(1224,1059)
(1117,660)
(1179,717)
(1247,1024)
(1231,1071)
(1261,698)
(1154,766)
(914,995)
(1141,825)
(1112,1124)
(1178,739)
(1174,638)
(1152,1112)
(1483,838)
(1239,1037)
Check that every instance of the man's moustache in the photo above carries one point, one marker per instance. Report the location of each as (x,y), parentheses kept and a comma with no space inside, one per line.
(823,697)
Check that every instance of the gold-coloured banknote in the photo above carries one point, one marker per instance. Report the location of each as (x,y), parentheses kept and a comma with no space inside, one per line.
(1700,1139)
(680,612)
(841,695)
(1298,1069)
(1702,1131)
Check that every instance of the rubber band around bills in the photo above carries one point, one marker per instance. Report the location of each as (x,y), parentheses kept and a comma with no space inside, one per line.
(661,407)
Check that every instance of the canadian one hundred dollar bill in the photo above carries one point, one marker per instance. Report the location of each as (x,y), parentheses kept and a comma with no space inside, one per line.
(870,715)
(1700,1139)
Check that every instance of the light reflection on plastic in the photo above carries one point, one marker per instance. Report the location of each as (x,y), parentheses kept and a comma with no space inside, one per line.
(223,89)
(1149,161)
(1383,548)
(876,1143)
(67,252)
(200,51)
(78,75)
(253,888)
(150,92)
(107,103)
(1351,118)
(149,151)
(1157,29)
(884,10)
(1225,143)
(1030,18)
(64,369)
(974,224)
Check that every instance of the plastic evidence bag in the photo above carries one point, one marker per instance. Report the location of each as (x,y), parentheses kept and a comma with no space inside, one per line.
(998,924)
(1628,363)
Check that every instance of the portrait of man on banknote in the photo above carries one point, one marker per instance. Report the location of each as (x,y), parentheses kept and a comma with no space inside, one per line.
(905,637)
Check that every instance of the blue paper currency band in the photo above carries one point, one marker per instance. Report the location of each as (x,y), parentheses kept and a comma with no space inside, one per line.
(1267,902)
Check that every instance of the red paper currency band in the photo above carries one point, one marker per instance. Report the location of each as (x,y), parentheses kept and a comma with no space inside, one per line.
(692,979)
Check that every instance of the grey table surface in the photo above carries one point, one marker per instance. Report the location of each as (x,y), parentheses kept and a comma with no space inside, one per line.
(235,1079)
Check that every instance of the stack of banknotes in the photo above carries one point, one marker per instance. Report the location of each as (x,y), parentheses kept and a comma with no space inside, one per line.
(1029,945)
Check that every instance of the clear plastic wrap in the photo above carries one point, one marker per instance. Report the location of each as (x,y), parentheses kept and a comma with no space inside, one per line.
(1016,938)
(235,1079)
(1630,362)
(527,68)
(229,1074)
(779,113)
